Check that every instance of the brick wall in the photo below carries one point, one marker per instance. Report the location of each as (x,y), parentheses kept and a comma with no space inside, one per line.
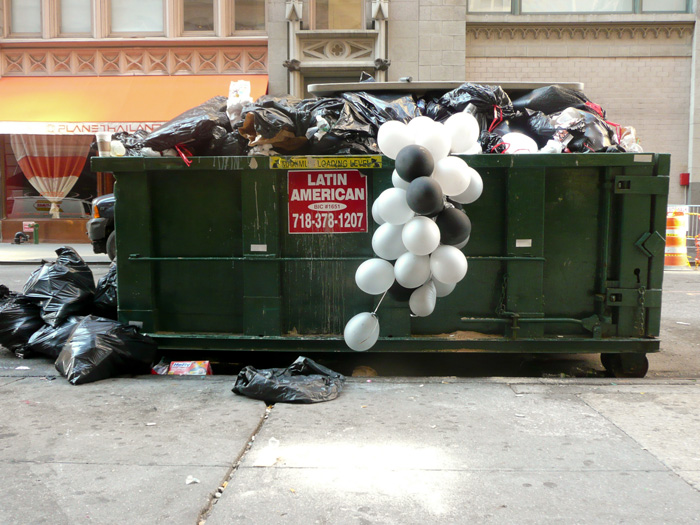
(649,90)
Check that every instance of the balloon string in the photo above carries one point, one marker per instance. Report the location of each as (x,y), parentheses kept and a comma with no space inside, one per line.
(380,302)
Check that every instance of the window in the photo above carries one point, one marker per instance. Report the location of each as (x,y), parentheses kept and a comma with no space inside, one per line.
(249,15)
(198,16)
(137,16)
(144,18)
(576,6)
(334,14)
(677,6)
(76,17)
(489,6)
(25,17)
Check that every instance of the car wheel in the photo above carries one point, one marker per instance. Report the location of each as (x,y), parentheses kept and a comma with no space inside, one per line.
(112,246)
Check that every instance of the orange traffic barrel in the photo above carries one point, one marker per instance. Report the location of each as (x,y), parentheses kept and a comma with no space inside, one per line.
(676,250)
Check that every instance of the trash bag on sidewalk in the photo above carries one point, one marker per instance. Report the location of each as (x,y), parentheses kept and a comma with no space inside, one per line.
(195,125)
(304,381)
(20,317)
(62,288)
(101,348)
(105,302)
(555,98)
(49,341)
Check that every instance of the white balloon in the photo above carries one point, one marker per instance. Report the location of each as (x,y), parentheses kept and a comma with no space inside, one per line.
(375,276)
(392,137)
(519,143)
(393,207)
(422,301)
(362,331)
(375,212)
(436,139)
(421,235)
(412,270)
(418,123)
(453,175)
(448,264)
(398,182)
(443,289)
(463,130)
(387,241)
(473,191)
(474,150)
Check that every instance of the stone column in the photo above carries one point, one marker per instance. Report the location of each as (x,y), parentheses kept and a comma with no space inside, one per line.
(693,191)
(442,39)
(276,47)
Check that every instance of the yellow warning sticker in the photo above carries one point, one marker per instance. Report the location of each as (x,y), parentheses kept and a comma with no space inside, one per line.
(350,162)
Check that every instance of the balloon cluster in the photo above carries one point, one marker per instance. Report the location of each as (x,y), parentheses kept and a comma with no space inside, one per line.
(422,226)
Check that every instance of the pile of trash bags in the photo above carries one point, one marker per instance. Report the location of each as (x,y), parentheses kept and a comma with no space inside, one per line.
(61,314)
(556,118)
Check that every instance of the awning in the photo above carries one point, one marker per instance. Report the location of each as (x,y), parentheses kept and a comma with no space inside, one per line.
(86,105)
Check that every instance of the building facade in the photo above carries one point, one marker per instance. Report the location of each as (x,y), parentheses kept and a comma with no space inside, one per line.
(636,58)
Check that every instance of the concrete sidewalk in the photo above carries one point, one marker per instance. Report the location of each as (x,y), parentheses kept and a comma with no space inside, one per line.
(386,451)
(35,253)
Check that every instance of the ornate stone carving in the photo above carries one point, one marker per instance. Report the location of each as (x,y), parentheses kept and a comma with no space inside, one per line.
(337,49)
(380,9)
(292,65)
(583,31)
(382,64)
(141,61)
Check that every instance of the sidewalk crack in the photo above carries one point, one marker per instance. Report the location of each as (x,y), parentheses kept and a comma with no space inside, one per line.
(214,496)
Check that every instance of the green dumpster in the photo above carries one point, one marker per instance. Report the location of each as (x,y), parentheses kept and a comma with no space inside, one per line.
(566,255)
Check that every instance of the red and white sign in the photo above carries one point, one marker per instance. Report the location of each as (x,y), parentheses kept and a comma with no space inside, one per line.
(332,201)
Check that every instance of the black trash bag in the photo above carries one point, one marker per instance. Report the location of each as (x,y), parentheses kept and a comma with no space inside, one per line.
(195,125)
(105,302)
(304,381)
(232,145)
(20,317)
(534,124)
(491,142)
(590,132)
(491,104)
(49,341)
(62,288)
(209,146)
(275,121)
(101,348)
(378,108)
(555,98)
(133,143)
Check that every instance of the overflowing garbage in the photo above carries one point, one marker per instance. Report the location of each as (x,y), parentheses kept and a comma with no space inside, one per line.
(60,314)
(550,119)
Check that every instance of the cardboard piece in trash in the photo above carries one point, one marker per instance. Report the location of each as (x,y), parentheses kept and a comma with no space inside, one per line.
(190,368)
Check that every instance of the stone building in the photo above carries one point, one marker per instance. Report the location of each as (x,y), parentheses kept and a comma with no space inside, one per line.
(147,60)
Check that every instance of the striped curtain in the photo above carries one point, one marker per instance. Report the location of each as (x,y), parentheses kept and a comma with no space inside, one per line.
(51,163)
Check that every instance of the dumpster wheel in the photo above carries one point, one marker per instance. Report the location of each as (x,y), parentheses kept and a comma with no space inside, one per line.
(625,365)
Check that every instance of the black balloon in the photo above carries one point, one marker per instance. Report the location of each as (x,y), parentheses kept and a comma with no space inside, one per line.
(414,161)
(424,196)
(399,292)
(455,226)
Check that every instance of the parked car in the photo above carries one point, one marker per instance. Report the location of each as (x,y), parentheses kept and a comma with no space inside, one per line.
(100,228)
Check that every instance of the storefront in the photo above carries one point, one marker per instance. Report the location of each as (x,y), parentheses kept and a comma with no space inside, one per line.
(47,132)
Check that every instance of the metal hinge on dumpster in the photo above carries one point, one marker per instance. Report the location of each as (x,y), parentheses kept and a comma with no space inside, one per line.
(631,297)
(642,185)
